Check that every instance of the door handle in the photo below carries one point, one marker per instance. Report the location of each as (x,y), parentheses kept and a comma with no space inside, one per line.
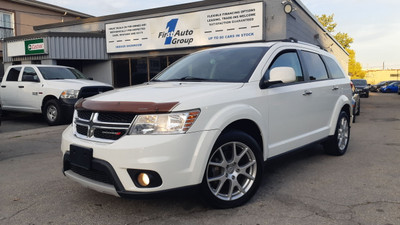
(335,88)
(3,86)
(307,92)
(21,86)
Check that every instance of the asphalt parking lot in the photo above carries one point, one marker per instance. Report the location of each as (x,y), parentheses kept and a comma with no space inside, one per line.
(304,187)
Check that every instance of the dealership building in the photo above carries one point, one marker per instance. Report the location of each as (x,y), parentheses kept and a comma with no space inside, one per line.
(131,48)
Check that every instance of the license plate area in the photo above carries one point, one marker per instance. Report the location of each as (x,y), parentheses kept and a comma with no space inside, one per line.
(81,157)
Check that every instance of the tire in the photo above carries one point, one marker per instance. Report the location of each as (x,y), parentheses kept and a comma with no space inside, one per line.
(234,170)
(52,112)
(358,108)
(337,144)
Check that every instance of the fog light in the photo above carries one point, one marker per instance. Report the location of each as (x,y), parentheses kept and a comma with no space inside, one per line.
(143,179)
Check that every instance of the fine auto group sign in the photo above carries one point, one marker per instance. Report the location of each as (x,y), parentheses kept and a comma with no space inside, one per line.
(242,23)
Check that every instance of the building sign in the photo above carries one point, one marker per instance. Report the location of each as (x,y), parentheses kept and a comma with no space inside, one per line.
(34,47)
(28,47)
(242,23)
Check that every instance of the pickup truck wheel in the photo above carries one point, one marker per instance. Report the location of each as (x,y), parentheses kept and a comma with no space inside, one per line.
(337,145)
(234,170)
(52,112)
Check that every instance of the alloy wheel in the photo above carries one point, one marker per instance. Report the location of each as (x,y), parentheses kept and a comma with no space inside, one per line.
(231,171)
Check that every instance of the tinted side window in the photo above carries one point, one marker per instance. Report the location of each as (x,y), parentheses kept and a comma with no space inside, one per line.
(288,59)
(315,66)
(29,74)
(13,74)
(333,67)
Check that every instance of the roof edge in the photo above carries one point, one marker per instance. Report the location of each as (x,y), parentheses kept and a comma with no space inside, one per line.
(135,13)
(44,5)
(95,34)
(319,24)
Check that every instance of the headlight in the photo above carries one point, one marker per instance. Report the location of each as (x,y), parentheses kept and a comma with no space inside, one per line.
(172,123)
(69,94)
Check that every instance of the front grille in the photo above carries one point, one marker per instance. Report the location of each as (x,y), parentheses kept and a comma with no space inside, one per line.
(110,134)
(93,174)
(81,129)
(86,92)
(102,126)
(84,114)
(116,117)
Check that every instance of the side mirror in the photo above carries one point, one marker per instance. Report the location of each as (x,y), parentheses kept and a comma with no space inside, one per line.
(280,75)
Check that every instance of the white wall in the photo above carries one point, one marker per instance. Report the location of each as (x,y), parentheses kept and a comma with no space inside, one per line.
(99,71)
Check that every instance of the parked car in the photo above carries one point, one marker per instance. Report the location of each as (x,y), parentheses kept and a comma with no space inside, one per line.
(376,87)
(362,87)
(50,90)
(356,102)
(210,121)
(391,88)
(398,91)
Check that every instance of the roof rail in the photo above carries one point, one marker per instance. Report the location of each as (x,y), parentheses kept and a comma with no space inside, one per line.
(294,40)
(309,44)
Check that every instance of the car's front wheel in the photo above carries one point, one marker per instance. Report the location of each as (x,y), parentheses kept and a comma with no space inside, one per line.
(234,170)
(337,144)
(52,112)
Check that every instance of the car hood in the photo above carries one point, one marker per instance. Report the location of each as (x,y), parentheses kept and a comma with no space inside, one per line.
(186,94)
(75,84)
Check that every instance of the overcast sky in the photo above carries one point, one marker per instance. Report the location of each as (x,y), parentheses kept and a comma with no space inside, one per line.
(374,25)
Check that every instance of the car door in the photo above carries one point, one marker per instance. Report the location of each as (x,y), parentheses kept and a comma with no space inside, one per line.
(30,89)
(9,89)
(290,108)
(324,94)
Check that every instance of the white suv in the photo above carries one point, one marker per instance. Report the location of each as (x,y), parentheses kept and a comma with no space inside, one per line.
(47,89)
(210,120)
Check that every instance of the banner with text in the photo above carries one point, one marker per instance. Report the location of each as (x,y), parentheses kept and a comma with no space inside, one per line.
(233,24)
(27,47)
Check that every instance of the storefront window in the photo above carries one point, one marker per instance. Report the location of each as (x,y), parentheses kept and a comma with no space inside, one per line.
(139,71)
(157,64)
(173,58)
(135,71)
(121,73)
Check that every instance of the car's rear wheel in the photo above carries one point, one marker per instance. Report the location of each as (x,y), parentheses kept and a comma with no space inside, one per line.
(234,170)
(337,144)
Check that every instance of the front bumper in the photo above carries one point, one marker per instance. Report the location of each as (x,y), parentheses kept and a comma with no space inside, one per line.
(180,161)
(67,107)
(363,92)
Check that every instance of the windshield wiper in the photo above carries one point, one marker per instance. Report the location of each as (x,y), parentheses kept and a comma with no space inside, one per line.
(188,78)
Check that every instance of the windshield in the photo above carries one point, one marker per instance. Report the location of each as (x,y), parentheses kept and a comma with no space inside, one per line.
(57,73)
(360,82)
(220,65)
